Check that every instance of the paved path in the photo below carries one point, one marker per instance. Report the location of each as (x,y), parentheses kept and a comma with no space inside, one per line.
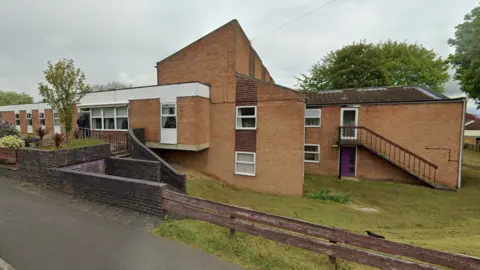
(36,234)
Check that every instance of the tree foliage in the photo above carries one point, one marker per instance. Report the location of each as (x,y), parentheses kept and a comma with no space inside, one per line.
(14,98)
(64,88)
(110,86)
(384,64)
(466,59)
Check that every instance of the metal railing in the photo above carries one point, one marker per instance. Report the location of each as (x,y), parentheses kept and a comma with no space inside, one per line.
(117,139)
(396,154)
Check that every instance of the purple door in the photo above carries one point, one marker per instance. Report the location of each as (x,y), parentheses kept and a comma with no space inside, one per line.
(348,161)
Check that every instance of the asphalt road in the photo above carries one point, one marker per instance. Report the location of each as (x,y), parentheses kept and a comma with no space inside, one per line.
(36,234)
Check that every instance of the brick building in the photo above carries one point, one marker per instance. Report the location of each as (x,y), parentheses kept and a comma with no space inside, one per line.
(216,109)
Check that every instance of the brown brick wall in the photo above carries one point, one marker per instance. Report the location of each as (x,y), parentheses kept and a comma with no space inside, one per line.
(412,126)
(246,140)
(242,50)
(23,122)
(8,116)
(280,136)
(49,121)
(193,120)
(35,122)
(214,60)
(246,91)
(417,126)
(209,60)
(145,114)
(326,136)
(258,67)
(374,167)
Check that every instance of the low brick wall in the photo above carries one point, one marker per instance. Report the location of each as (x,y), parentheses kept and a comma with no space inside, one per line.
(35,158)
(8,155)
(8,171)
(134,194)
(34,164)
(169,175)
(133,168)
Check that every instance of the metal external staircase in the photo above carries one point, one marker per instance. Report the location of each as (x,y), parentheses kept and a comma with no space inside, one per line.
(391,152)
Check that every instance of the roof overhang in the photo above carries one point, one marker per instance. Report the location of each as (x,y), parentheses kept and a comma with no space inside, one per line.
(103,104)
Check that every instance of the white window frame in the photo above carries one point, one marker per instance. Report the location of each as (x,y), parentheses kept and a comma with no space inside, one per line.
(319,117)
(309,152)
(246,162)
(168,114)
(41,118)
(237,116)
(102,117)
(17,118)
(29,118)
(56,118)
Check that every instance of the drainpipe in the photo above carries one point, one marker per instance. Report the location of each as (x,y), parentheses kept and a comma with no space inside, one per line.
(460,158)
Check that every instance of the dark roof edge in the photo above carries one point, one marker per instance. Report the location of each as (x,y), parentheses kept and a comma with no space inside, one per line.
(262,81)
(146,86)
(421,88)
(447,100)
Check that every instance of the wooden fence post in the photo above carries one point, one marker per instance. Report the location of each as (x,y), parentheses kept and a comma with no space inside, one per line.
(332,259)
(231,232)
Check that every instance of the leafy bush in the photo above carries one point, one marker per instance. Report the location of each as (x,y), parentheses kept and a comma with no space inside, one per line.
(6,129)
(58,140)
(41,132)
(12,141)
(327,195)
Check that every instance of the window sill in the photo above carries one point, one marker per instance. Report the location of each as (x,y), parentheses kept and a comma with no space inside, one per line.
(245,128)
(311,161)
(313,126)
(244,174)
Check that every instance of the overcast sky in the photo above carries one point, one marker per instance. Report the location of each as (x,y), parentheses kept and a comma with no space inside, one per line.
(122,40)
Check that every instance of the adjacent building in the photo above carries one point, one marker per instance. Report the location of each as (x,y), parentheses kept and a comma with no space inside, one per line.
(217,109)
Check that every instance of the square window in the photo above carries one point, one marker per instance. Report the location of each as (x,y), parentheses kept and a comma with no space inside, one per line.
(313,117)
(42,122)
(96,112)
(108,112)
(41,115)
(56,122)
(311,153)
(108,123)
(169,116)
(97,123)
(122,123)
(246,117)
(245,163)
(169,122)
(123,111)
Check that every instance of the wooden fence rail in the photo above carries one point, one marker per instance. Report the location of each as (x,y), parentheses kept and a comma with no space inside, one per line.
(336,243)
(473,147)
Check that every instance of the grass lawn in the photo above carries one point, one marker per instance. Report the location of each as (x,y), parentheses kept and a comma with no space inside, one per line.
(443,220)
(471,157)
(75,143)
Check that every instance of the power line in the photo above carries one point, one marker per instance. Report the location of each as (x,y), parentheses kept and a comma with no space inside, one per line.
(292,21)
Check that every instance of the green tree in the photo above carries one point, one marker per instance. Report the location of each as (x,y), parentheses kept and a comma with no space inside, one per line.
(14,98)
(368,65)
(110,86)
(466,59)
(64,88)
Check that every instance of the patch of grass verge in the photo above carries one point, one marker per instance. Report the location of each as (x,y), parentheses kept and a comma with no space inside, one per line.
(327,195)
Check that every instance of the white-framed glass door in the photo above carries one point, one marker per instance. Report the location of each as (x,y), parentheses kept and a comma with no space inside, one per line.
(168,123)
(349,118)
(57,125)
